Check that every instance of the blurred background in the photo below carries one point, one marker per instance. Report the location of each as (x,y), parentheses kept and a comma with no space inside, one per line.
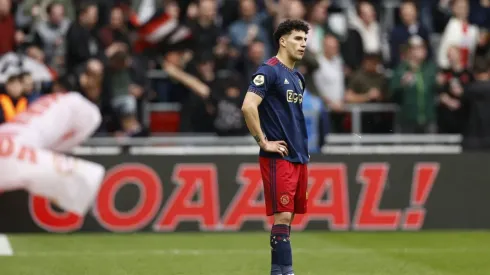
(163,67)
(397,111)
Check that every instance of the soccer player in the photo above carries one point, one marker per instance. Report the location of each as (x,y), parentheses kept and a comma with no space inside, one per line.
(29,145)
(273,112)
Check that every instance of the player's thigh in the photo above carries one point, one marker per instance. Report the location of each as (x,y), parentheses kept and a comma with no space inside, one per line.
(301,195)
(279,185)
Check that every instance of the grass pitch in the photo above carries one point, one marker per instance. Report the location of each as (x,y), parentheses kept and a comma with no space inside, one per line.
(396,253)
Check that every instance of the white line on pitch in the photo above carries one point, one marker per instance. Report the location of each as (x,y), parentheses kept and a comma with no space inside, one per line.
(5,247)
(190,252)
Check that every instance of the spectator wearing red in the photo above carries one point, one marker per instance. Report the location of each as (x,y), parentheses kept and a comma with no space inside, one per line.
(461,33)
(7,28)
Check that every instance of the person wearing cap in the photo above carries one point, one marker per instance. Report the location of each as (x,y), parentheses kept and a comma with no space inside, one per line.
(413,87)
(13,101)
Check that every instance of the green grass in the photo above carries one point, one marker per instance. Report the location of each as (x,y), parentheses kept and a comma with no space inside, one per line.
(397,253)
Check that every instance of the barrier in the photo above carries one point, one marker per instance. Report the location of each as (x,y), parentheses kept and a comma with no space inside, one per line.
(223,193)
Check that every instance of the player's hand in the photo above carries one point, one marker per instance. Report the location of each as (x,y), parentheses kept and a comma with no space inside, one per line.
(280,147)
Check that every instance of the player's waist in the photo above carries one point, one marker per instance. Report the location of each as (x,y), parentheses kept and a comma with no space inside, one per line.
(292,157)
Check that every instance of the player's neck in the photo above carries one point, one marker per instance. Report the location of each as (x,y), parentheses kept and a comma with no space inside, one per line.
(285,60)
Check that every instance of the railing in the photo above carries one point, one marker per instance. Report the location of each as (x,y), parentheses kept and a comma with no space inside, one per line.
(356,111)
(214,145)
(356,143)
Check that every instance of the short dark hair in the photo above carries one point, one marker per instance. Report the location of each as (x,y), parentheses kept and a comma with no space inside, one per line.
(85,6)
(14,77)
(51,5)
(288,26)
(24,74)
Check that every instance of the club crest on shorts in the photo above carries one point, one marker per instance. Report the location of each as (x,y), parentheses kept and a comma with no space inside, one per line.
(284,199)
(259,80)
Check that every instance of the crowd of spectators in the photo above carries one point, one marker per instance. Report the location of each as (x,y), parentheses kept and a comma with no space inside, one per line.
(420,57)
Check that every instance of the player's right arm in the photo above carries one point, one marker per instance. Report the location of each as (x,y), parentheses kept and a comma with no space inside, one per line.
(250,108)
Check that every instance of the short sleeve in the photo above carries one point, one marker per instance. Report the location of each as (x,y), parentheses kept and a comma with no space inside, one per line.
(262,81)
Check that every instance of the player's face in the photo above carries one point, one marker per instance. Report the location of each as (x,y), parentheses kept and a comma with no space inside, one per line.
(296,45)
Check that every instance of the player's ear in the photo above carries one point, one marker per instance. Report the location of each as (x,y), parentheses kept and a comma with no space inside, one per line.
(282,41)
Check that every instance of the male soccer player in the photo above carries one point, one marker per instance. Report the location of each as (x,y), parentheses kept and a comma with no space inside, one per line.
(28,145)
(273,112)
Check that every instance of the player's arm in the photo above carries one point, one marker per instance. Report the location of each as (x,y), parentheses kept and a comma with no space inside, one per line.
(250,108)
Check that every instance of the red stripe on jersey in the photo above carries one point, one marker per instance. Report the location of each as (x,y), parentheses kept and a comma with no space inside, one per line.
(273,61)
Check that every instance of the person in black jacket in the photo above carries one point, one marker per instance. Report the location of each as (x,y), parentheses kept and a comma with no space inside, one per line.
(81,39)
(476,101)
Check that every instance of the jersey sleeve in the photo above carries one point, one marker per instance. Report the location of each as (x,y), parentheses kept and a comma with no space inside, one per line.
(262,81)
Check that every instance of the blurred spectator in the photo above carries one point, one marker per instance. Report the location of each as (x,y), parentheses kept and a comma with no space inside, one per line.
(197,111)
(10,37)
(317,18)
(229,119)
(409,27)
(476,99)
(252,59)
(49,35)
(413,86)
(364,21)
(295,9)
(329,79)
(278,12)
(452,82)
(307,66)
(317,121)
(204,29)
(90,84)
(483,47)
(116,31)
(127,84)
(28,88)
(247,29)
(442,13)
(81,41)
(459,32)
(480,13)
(368,84)
(38,55)
(352,51)
(12,102)
(34,11)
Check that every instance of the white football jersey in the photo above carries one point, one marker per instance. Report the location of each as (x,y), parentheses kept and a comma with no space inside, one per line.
(56,121)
